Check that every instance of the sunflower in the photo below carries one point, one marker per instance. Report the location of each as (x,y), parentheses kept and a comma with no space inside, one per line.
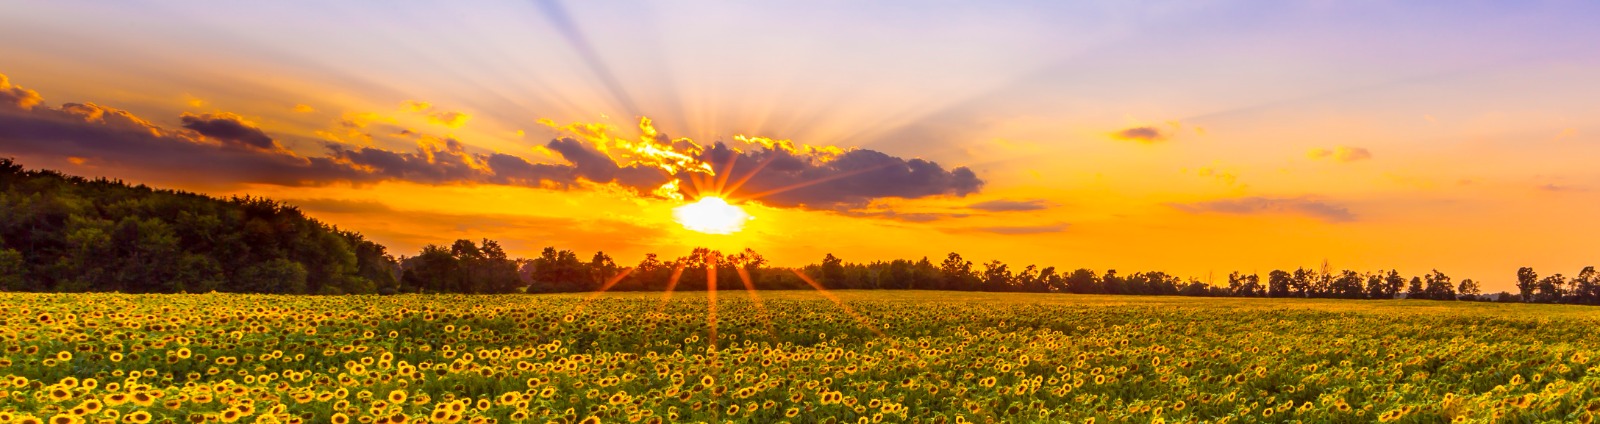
(137,417)
(59,394)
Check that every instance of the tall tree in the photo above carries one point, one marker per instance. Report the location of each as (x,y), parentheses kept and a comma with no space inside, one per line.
(1393,282)
(1439,286)
(957,273)
(1527,282)
(1586,286)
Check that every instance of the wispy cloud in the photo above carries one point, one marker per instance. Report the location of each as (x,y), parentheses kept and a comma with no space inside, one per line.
(1004,205)
(1145,134)
(1557,188)
(1266,205)
(1342,154)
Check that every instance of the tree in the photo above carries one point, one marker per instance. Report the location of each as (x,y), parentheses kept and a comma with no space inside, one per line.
(996,277)
(600,269)
(560,271)
(1586,286)
(1082,281)
(1376,289)
(1252,285)
(1300,284)
(79,234)
(1392,283)
(957,273)
(431,271)
(1348,285)
(1550,289)
(832,271)
(1278,283)
(1469,289)
(1439,287)
(274,276)
(13,269)
(1112,283)
(197,274)
(1416,290)
(1527,282)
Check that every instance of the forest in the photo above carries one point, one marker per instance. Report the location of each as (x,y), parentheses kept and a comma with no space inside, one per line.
(61,233)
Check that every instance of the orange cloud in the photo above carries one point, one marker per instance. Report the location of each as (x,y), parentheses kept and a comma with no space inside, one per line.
(1342,154)
(449,119)
(1145,134)
(1265,205)
(22,98)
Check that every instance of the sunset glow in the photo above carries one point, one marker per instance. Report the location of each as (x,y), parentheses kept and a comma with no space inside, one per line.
(1106,135)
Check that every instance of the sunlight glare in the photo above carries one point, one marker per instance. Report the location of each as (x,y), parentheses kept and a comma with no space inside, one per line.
(711,215)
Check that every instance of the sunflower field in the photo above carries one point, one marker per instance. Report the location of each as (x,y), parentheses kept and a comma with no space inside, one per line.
(928,357)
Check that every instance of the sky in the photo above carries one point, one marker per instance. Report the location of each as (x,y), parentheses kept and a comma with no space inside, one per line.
(1194,138)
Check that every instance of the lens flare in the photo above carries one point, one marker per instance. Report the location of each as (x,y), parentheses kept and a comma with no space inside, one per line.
(711,215)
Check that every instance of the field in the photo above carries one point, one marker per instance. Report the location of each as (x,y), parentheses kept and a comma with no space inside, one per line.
(796,356)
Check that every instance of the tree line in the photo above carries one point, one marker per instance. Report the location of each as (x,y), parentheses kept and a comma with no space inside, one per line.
(61,233)
(71,234)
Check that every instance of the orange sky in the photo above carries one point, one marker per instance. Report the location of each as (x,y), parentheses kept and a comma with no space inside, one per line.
(1195,141)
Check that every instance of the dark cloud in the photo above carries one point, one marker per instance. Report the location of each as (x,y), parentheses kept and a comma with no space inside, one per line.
(229,129)
(115,138)
(1011,205)
(852,179)
(902,216)
(1140,134)
(17,97)
(224,149)
(1264,205)
(594,165)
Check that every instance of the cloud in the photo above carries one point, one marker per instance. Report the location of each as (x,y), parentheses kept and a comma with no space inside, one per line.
(1226,177)
(115,138)
(1146,134)
(230,129)
(415,106)
(1012,205)
(901,216)
(1266,205)
(830,180)
(17,96)
(449,119)
(303,108)
(445,118)
(1556,188)
(1343,154)
(222,148)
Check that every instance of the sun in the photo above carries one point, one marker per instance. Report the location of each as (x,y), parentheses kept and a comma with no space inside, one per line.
(711,215)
